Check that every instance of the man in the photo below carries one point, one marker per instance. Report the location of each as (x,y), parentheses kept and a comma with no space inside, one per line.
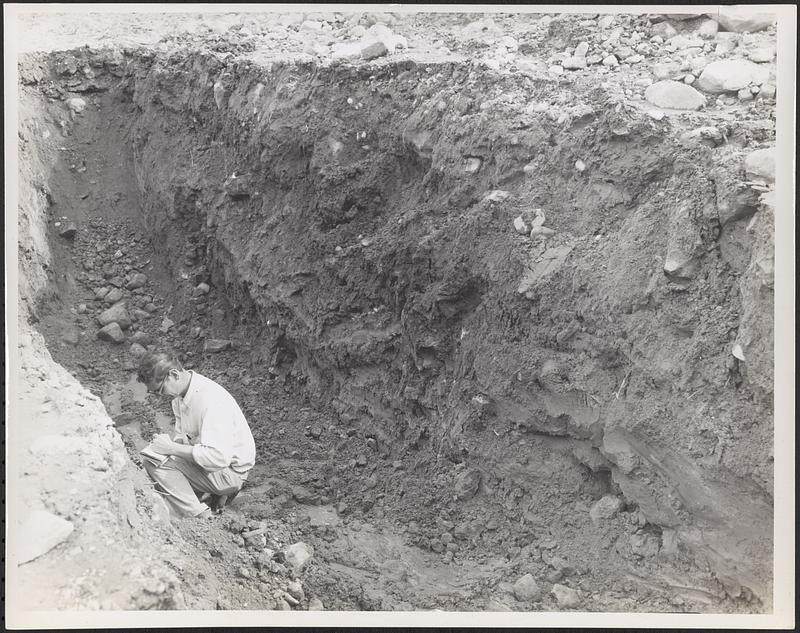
(213,448)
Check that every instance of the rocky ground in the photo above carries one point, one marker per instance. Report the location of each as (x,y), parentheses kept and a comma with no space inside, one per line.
(495,294)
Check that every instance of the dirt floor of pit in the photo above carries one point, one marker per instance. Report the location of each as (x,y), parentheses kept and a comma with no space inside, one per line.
(386,529)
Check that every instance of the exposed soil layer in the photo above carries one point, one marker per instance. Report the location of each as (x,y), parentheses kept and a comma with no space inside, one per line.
(441,405)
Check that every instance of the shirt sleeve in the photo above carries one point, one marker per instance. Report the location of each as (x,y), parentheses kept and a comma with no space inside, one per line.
(214,448)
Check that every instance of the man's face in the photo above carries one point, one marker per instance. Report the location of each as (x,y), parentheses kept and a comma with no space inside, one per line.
(166,388)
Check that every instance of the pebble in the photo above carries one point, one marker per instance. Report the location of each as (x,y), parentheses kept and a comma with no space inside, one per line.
(743,20)
(574,63)
(731,75)
(708,29)
(69,231)
(566,597)
(580,165)
(112,333)
(373,50)
(520,226)
(295,589)
(113,296)
(689,79)
(137,351)
(137,281)
(315,604)
(214,346)
(298,555)
(81,308)
(606,508)
(166,323)
(768,91)
(76,104)
(674,95)
(467,483)
(745,95)
(761,55)
(203,288)
(610,61)
(526,589)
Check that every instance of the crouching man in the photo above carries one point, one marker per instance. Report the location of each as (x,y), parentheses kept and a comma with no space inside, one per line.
(212,449)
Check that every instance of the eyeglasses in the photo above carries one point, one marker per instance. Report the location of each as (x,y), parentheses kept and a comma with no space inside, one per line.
(158,391)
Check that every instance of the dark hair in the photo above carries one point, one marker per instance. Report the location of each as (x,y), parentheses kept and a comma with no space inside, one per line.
(155,366)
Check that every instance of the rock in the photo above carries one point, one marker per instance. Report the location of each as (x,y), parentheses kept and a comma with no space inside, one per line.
(118,314)
(81,308)
(295,589)
(112,333)
(137,351)
(497,195)
(141,338)
(467,483)
(767,91)
(674,95)
(237,186)
(99,293)
(298,555)
(745,95)
(738,352)
(40,532)
(526,589)
(137,281)
(664,30)
(151,307)
(203,288)
(594,59)
(666,70)
(472,164)
(708,29)
(681,42)
(574,63)
(346,51)
(760,165)
(656,114)
(290,599)
(521,226)
(76,105)
(742,19)
(761,55)
(566,597)
(283,605)
(117,282)
(581,49)
(606,508)
(383,34)
(137,314)
(731,75)
(645,545)
(214,345)
(114,296)
(373,50)
(610,61)
(509,43)
(606,22)
(689,79)
(69,231)
(315,604)
(166,323)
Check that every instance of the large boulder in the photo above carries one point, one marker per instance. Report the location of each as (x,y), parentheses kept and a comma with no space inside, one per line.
(674,95)
(731,75)
(742,19)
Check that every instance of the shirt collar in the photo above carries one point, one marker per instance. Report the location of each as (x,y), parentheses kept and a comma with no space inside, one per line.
(190,389)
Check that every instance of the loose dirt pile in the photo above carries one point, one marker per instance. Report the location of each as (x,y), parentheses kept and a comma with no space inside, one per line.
(500,319)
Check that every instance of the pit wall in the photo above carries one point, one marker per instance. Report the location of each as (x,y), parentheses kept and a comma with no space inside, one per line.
(360,220)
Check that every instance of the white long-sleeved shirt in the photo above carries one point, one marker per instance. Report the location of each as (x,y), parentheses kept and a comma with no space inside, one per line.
(215,426)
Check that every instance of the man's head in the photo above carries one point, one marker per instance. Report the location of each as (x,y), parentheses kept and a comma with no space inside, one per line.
(163,374)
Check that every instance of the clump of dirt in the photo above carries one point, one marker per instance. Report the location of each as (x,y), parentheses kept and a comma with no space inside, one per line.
(442,403)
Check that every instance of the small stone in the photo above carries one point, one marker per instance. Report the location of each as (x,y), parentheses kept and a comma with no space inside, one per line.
(69,231)
(610,60)
(295,589)
(141,338)
(689,79)
(118,314)
(151,307)
(760,165)
(767,91)
(526,589)
(315,604)
(737,352)
(81,308)
(40,532)
(243,572)
(593,60)
(166,323)
(283,605)
(298,555)
(655,114)
(214,346)
(472,164)
(137,281)
(203,288)
(761,55)
(520,226)
(361,461)
(113,296)
(542,231)
(237,186)
(664,30)
(708,29)
(574,63)
(555,70)
(581,49)
(731,75)
(580,165)
(745,95)
(76,104)
(566,597)
(467,483)
(137,351)
(606,508)
(373,50)
(290,599)
(674,95)
(111,333)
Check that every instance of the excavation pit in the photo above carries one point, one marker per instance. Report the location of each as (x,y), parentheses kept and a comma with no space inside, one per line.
(481,324)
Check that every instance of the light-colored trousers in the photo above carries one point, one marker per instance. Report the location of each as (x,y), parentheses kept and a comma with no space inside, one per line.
(179,478)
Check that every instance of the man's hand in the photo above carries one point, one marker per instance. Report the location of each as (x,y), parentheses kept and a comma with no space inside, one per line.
(162,444)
